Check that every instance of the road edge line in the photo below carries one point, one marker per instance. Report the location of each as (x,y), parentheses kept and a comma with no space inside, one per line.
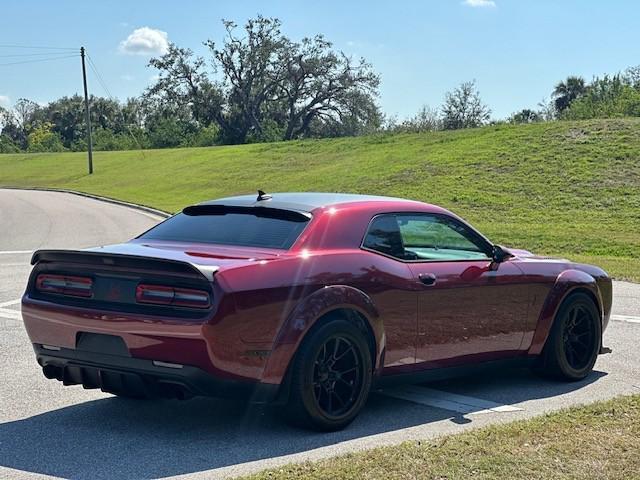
(114,201)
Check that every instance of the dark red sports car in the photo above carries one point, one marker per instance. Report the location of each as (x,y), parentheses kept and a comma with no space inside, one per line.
(307,300)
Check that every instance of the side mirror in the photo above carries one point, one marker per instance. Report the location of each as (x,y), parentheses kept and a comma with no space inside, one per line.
(499,254)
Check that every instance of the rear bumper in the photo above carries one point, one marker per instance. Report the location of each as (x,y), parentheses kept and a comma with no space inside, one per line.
(141,377)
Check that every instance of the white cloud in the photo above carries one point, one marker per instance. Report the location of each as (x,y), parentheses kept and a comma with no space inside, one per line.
(479,3)
(5,101)
(145,41)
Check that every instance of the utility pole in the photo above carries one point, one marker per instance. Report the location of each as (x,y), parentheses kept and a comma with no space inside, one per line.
(86,112)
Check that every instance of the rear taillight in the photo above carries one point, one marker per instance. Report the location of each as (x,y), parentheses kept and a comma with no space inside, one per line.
(172,296)
(65,285)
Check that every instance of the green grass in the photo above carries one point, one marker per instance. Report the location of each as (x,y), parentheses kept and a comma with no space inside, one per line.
(600,441)
(564,188)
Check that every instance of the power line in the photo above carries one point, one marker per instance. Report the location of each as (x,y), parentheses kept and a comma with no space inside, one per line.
(38,47)
(38,60)
(99,77)
(40,54)
(106,89)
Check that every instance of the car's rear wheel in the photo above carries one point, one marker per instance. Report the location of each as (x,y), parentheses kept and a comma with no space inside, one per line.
(574,342)
(330,377)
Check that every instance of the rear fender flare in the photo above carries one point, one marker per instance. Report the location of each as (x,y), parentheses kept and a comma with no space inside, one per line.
(307,313)
(567,283)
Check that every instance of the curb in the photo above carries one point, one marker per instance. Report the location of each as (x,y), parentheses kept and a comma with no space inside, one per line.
(135,206)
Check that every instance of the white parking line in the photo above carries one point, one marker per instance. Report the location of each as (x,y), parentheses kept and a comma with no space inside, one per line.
(10,302)
(447,401)
(15,252)
(10,314)
(626,318)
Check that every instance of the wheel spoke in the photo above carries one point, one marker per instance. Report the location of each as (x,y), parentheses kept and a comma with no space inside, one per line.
(348,370)
(349,384)
(584,345)
(570,355)
(336,347)
(335,394)
(349,349)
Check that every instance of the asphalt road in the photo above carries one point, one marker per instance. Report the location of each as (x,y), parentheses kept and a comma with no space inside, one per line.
(47,430)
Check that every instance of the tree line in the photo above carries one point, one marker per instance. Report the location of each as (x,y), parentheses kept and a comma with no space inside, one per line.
(258,85)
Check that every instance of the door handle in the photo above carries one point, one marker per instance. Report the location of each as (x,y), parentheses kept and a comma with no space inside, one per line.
(427,279)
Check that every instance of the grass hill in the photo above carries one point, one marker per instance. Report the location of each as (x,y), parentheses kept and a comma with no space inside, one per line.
(562,188)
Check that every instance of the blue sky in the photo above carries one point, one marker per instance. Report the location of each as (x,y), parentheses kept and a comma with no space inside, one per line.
(515,49)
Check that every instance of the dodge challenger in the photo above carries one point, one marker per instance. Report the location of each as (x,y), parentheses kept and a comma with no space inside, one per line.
(307,300)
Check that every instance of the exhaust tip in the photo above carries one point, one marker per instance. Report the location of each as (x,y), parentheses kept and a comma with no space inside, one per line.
(52,372)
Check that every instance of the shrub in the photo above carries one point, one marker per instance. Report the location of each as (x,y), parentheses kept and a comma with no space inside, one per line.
(43,139)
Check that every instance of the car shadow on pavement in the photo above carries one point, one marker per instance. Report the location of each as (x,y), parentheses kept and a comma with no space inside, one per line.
(116,438)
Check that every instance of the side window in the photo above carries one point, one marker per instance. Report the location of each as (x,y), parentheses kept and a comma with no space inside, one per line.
(436,237)
(384,236)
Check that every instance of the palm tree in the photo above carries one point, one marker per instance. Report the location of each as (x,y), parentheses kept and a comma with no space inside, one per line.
(567,91)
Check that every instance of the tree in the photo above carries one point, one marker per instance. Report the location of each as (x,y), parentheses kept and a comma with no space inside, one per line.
(547,110)
(183,81)
(632,74)
(269,87)
(44,139)
(253,71)
(323,84)
(7,145)
(567,91)
(525,116)
(426,120)
(463,108)
(609,96)
(20,121)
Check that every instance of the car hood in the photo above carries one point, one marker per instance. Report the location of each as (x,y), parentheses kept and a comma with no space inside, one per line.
(527,255)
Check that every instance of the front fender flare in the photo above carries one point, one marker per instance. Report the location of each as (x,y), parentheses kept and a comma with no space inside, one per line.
(566,283)
(306,314)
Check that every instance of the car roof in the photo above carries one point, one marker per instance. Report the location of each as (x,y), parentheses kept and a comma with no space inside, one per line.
(303,201)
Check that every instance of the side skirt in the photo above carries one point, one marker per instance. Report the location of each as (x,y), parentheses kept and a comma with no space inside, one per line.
(436,374)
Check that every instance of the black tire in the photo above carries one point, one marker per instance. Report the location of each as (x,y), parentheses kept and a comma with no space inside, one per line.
(330,377)
(574,341)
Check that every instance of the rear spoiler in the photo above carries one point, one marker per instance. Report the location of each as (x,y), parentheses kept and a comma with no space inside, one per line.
(85,257)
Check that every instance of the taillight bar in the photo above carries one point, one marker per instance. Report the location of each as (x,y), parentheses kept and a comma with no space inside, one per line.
(172,296)
(65,285)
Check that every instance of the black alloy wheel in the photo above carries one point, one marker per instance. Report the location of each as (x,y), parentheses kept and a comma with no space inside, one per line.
(337,376)
(578,336)
(330,377)
(574,342)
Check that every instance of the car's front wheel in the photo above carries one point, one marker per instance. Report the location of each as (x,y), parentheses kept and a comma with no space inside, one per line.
(574,342)
(330,377)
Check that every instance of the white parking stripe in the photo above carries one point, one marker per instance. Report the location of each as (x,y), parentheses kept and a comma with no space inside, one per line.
(9,303)
(626,318)
(11,314)
(447,401)
(15,252)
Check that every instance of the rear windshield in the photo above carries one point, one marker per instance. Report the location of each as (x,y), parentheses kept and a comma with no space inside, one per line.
(239,227)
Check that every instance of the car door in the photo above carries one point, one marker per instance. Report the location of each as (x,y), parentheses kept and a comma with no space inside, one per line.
(469,308)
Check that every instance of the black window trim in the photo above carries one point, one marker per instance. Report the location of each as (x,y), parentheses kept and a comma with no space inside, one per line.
(477,235)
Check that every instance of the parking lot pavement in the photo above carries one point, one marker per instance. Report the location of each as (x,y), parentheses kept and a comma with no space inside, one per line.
(47,430)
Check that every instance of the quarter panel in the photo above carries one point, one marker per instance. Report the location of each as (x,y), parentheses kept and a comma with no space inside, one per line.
(567,282)
(278,302)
